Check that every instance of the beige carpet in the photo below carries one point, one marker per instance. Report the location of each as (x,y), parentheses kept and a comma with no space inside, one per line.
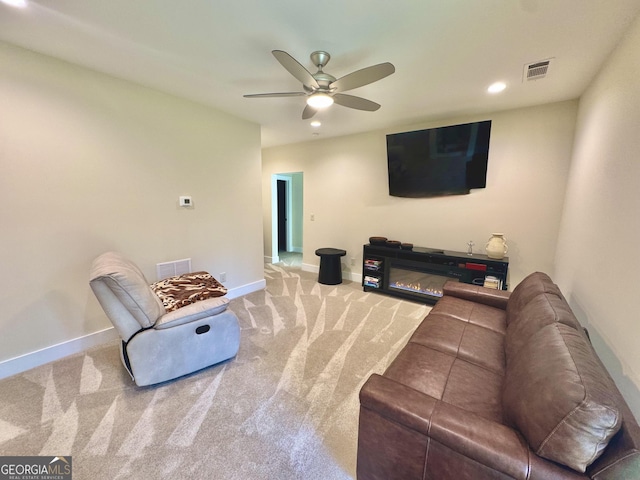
(285,408)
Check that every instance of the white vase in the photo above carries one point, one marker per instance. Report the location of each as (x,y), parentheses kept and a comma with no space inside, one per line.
(497,246)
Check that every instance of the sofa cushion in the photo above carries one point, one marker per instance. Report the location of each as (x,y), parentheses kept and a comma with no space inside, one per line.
(423,369)
(467,341)
(560,398)
(450,379)
(475,389)
(529,288)
(541,311)
(468,311)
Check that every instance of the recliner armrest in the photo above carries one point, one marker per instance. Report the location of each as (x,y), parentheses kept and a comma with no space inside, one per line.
(478,294)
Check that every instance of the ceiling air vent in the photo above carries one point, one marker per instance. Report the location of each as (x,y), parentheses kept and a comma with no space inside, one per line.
(536,71)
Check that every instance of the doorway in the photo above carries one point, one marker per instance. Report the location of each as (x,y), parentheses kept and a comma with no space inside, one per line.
(283,202)
(286,216)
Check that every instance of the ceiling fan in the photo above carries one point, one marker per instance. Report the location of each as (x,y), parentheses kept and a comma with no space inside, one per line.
(322,89)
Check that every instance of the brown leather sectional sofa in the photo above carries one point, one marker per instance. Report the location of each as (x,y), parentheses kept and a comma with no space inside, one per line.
(497,385)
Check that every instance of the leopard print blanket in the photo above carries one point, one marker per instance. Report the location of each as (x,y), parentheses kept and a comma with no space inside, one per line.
(181,290)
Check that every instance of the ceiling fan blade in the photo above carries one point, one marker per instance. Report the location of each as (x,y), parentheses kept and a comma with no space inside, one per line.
(355,102)
(268,95)
(363,77)
(308,112)
(295,69)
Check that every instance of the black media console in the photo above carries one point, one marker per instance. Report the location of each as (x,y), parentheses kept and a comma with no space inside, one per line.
(420,273)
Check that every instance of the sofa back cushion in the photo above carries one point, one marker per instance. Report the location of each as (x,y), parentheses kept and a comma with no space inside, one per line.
(560,398)
(128,286)
(533,285)
(541,311)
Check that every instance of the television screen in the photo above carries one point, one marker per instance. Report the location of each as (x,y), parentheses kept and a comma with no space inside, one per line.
(439,161)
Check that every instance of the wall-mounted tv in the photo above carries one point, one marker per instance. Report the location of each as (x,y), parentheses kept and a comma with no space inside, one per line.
(438,161)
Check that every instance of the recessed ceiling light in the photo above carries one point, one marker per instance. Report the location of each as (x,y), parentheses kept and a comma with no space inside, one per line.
(497,87)
(316,124)
(15,3)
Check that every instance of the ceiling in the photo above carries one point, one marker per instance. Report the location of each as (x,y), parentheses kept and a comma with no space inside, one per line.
(446,52)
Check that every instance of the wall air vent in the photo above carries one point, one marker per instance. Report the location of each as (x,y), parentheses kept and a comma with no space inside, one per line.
(537,70)
(170,269)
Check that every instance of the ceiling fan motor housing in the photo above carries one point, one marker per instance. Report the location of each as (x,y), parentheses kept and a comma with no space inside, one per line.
(320,58)
(324,80)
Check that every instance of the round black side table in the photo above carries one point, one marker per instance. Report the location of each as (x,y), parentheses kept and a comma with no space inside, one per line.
(330,268)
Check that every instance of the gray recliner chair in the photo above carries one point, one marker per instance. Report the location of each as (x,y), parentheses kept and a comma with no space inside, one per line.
(158,345)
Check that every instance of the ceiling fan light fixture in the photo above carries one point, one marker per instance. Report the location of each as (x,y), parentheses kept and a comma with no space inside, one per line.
(319,100)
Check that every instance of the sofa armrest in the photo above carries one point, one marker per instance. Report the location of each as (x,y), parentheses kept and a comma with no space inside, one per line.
(489,443)
(398,403)
(478,294)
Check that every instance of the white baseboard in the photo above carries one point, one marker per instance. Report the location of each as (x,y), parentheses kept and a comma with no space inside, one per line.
(246,289)
(30,360)
(356,277)
(306,267)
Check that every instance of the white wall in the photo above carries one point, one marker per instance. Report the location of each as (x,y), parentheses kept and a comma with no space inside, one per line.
(346,189)
(89,163)
(598,254)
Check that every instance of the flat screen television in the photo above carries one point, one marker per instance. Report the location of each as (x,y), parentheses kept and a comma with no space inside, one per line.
(438,161)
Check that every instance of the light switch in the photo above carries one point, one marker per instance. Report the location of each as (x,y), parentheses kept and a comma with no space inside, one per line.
(185,201)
